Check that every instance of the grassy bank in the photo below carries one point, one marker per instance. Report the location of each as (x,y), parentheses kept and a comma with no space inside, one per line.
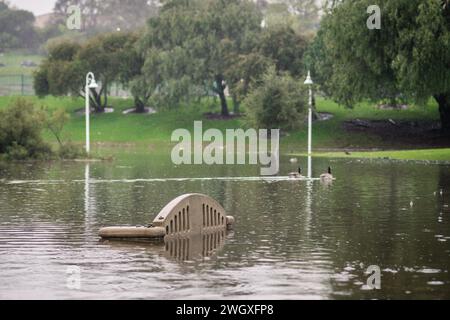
(442,154)
(331,134)
(12,63)
(153,132)
(132,129)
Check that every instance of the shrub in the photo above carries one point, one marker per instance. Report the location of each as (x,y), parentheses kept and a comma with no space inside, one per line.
(70,150)
(278,101)
(21,126)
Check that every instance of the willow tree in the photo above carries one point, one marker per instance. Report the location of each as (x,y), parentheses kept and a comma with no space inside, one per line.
(408,57)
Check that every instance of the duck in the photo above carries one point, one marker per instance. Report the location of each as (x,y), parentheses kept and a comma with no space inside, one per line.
(296,175)
(327,176)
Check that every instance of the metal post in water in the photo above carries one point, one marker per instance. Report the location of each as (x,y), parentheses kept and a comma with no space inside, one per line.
(87,111)
(90,84)
(309,82)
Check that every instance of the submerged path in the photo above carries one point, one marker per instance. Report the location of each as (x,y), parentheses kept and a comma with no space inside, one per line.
(91,180)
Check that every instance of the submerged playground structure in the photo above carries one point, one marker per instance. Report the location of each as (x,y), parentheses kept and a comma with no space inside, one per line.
(186,215)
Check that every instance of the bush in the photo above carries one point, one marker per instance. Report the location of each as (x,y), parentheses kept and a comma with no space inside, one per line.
(70,150)
(278,101)
(21,126)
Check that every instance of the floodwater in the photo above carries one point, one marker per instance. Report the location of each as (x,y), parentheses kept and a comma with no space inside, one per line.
(292,239)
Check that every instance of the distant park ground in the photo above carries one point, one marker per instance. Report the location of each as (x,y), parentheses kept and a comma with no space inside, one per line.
(365,131)
(12,63)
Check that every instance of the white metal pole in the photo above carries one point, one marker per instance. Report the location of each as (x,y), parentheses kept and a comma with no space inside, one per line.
(88,111)
(310,134)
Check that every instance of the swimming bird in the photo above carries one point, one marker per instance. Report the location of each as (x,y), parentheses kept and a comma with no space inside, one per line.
(293,160)
(296,175)
(327,176)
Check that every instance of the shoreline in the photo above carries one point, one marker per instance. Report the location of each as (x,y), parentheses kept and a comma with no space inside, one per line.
(435,155)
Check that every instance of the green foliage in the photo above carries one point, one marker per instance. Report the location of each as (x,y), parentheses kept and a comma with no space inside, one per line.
(114,130)
(60,74)
(196,47)
(16,29)
(63,51)
(286,48)
(40,82)
(110,56)
(277,102)
(194,44)
(407,58)
(55,122)
(245,72)
(21,126)
(316,61)
(70,151)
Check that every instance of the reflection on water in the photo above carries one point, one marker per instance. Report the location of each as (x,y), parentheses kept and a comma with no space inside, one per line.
(292,239)
(194,246)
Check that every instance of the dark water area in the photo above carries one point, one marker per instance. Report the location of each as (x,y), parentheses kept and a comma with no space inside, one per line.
(292,239)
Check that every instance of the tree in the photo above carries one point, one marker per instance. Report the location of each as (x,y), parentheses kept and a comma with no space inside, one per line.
(193,43)
(286,48)
(65,69)
(16,29)
(21,126)
(106,56)
(243,73)
(316,61)
(277,101)
(408,57)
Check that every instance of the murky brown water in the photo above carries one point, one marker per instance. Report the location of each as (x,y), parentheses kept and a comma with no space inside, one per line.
(292,239)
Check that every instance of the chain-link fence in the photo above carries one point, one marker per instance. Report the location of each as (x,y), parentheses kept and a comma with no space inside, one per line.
(22,84)
(16,84)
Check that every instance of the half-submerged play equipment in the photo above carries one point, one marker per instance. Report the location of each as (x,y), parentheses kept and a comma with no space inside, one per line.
(186,215)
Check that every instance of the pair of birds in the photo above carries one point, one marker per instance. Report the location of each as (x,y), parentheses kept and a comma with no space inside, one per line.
(325,176)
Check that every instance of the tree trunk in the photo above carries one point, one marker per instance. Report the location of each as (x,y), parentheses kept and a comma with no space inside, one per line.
(443,101)
(97,99)
(236,104)
(140,105)
(105,100)
(223,99)
(223,103)
(315,113)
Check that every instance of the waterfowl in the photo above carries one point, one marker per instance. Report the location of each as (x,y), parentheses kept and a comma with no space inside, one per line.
(327,176)
(293,160)
(296,175)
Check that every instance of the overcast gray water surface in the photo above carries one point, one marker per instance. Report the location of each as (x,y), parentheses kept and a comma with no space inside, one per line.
(292,239)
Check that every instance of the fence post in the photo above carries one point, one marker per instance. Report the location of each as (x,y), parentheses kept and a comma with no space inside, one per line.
(22,78)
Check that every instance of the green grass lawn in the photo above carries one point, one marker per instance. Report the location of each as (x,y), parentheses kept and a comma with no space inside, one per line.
(15,79)
(133,128)
(153,132)
(331,135)
(420,154)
